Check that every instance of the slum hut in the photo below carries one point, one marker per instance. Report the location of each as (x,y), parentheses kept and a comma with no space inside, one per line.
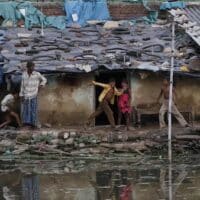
(71,58)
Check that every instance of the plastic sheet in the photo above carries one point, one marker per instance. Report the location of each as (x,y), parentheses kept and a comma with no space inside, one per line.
(14,11)
(171,5)
(79,11)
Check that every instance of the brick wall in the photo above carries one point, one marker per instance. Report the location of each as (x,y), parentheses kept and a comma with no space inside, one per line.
(126,11)
(117,11)
(52,9)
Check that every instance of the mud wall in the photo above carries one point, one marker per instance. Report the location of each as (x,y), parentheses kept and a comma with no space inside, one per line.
(147,90)
(66,100)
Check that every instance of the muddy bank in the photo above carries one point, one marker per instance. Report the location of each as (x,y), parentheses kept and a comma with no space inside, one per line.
(57,144)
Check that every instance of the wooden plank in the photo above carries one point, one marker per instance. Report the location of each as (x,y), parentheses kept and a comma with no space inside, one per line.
(188,137)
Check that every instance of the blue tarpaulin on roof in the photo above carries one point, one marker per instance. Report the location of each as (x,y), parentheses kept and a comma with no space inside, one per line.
(80,11)
(171,5)
(12,11)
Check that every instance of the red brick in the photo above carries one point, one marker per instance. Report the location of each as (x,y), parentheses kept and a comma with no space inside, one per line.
(117,11)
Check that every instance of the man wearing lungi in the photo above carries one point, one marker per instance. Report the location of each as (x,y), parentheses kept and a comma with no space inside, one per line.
(30,84)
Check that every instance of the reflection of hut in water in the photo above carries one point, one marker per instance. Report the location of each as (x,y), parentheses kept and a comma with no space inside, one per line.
(69,186)
(112,185)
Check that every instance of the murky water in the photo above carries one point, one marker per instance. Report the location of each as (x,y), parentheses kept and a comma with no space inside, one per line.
(119,178)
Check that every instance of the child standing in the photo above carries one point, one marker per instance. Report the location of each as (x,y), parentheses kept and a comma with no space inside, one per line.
(124,104)
(7,108)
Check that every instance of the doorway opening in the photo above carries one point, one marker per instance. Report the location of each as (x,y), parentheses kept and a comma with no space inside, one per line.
(104,78)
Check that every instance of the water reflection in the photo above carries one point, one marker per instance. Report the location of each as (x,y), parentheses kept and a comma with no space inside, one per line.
(121,181)
(113,185)
(170,191)
(30,187)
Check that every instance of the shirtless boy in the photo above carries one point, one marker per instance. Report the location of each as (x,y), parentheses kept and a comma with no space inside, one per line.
(164,108)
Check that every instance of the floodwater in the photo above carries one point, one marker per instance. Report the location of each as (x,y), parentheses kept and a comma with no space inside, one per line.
(124,177)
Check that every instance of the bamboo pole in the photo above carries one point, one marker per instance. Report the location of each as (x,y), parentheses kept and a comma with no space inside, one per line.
(170,112)
(42,25)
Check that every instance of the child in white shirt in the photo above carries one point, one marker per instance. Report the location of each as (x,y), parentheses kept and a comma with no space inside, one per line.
(7,108)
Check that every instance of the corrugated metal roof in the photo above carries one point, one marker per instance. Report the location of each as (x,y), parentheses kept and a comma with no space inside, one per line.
(191,27)
(193,13)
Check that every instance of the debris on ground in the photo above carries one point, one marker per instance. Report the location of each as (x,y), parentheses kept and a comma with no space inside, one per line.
(94,142)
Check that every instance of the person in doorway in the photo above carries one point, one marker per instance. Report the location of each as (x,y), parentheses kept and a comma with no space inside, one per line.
(164,108)
(30,84)
(106,97)
(7,105)
(124,104)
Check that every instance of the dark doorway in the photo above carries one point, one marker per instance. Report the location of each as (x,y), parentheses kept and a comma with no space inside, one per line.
(1,20)
(104,78)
